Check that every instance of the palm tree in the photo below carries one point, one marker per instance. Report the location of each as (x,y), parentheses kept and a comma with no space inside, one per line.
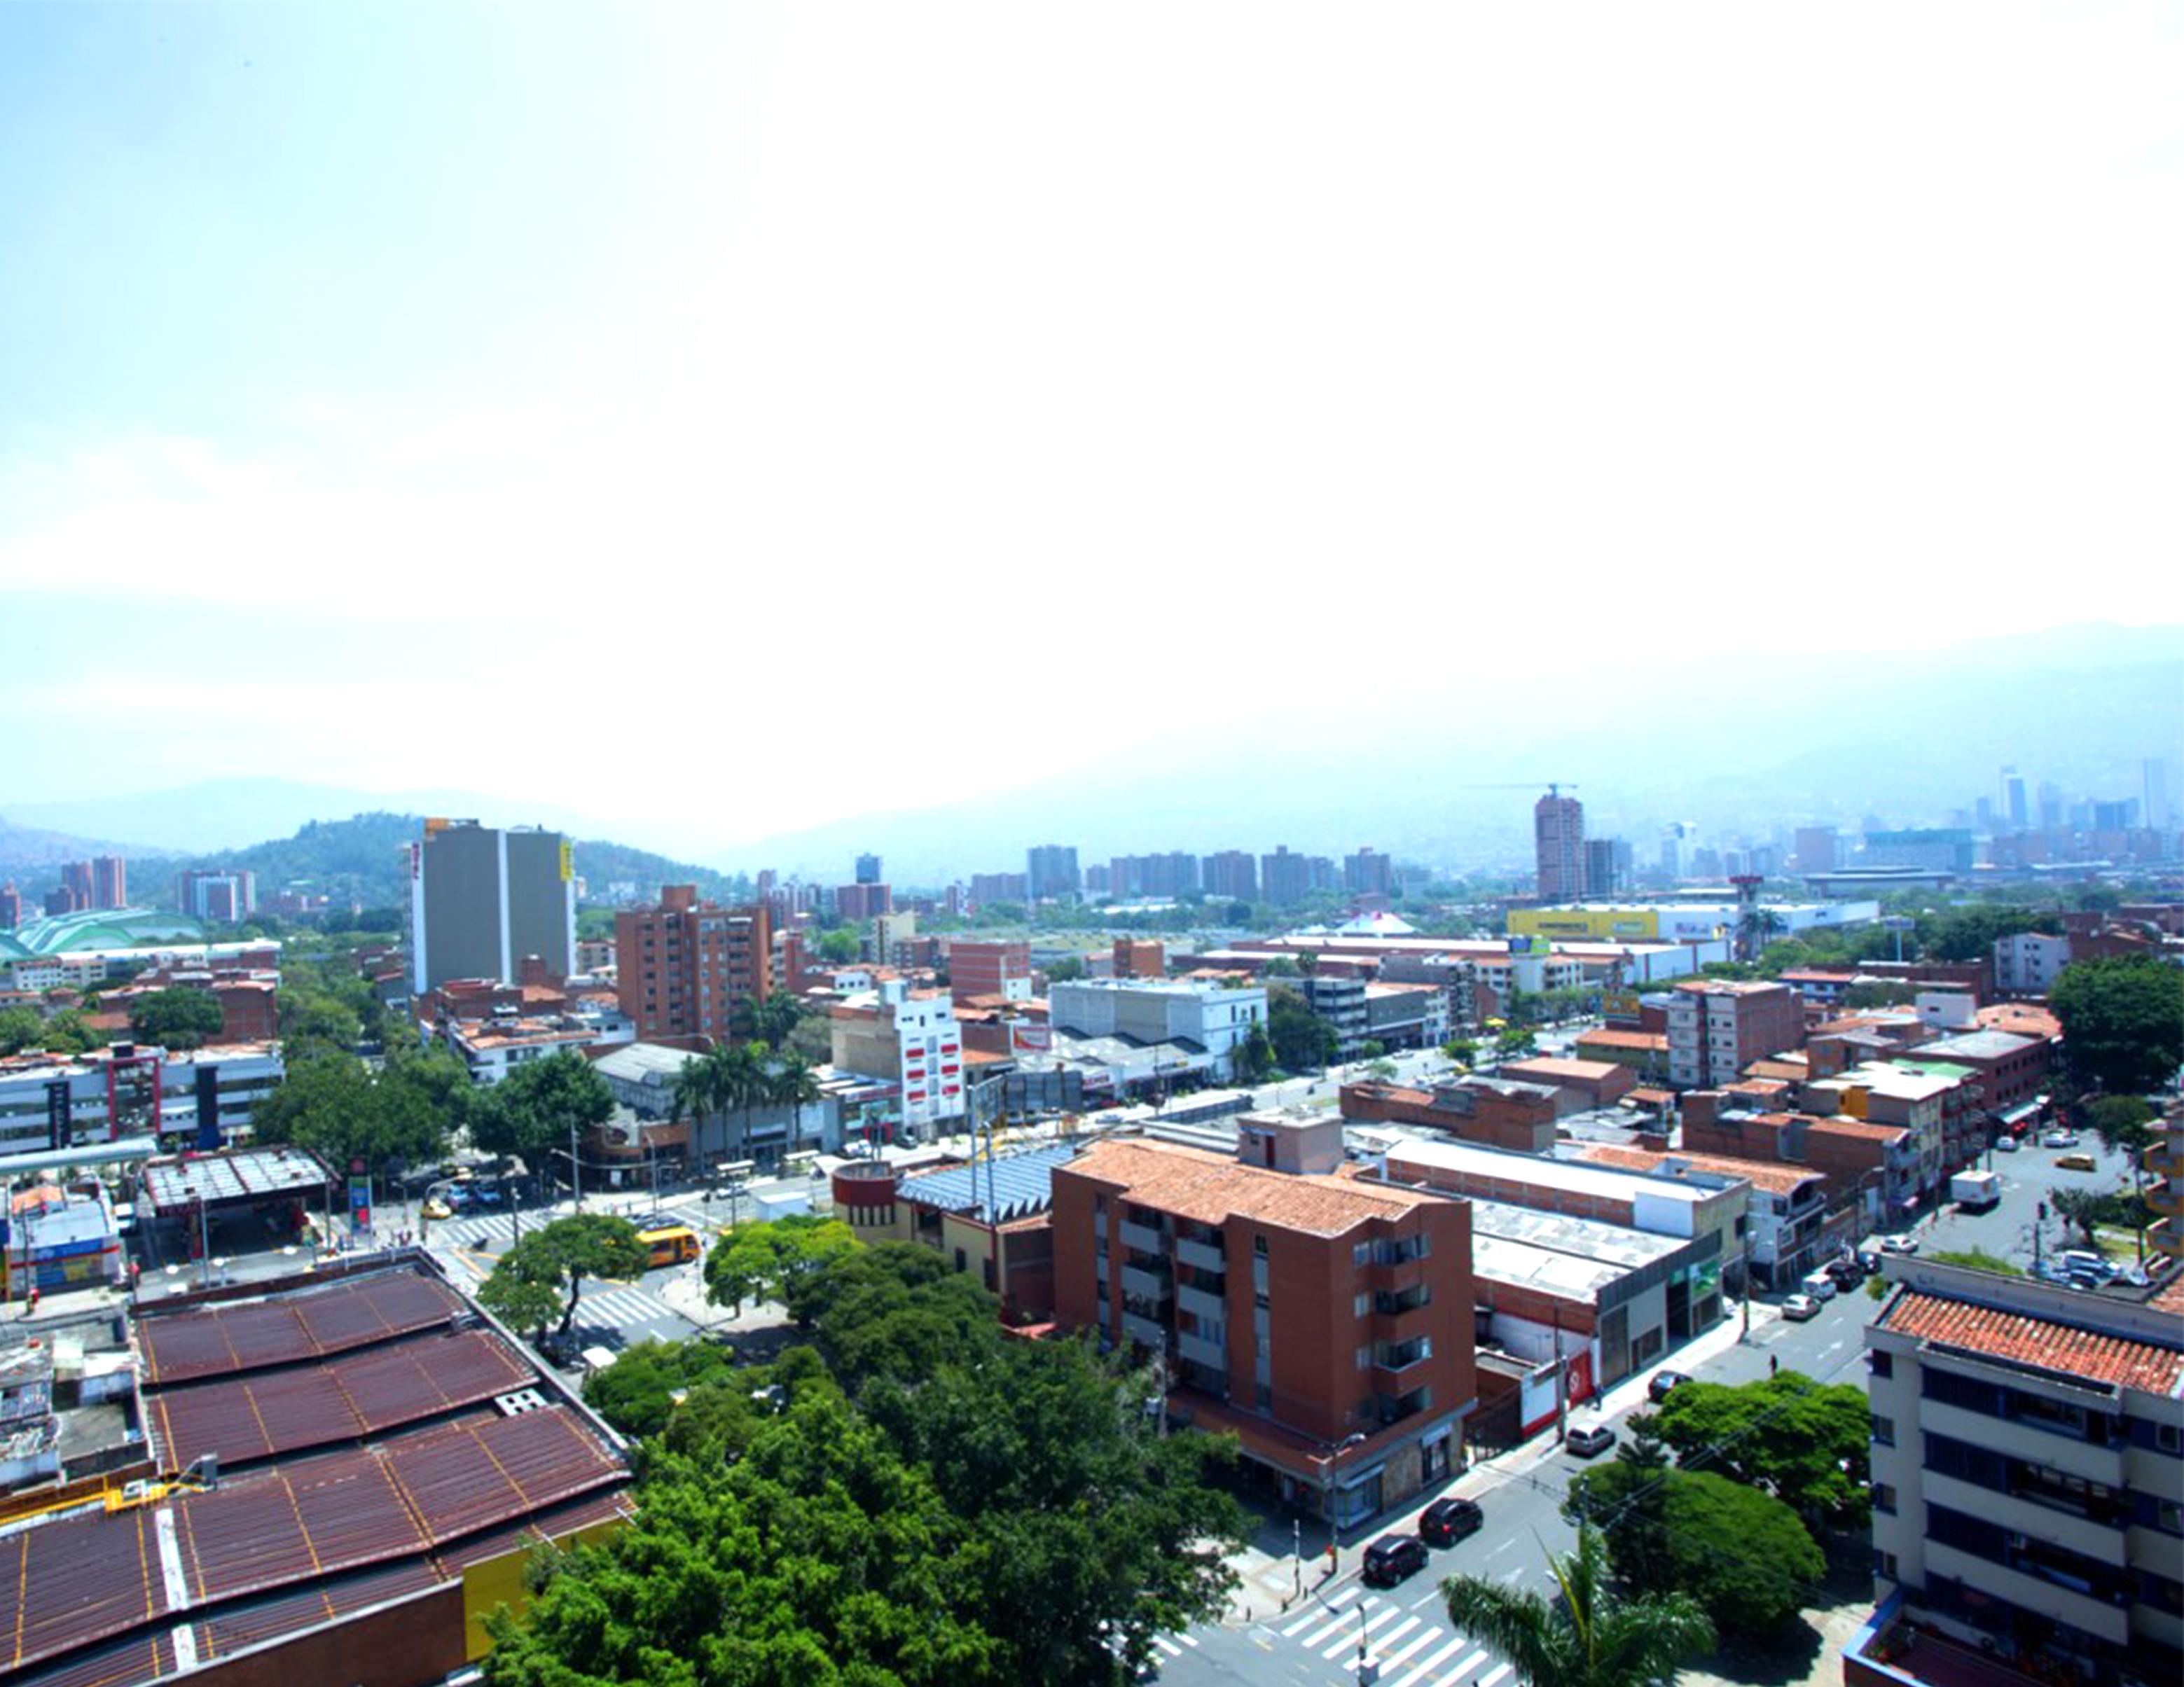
(794,1084)
(1587,1637)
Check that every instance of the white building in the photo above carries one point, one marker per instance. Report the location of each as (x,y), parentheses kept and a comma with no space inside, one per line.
(2028,963)
(911,1039)
(2028,1476)
(108,1093)
(1216,1018)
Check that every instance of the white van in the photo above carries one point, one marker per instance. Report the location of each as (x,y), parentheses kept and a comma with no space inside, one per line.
(1819,1285)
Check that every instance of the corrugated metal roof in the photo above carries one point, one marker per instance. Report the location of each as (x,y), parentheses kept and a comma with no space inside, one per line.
(249,1335)
(246,1418)
(1019,1185)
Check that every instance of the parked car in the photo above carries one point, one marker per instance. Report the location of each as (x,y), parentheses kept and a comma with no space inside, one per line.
(1590,1442)
(1799,1307)
(2060,1140)
(1392,1557)
(1445,1521)
(2005,1144)
(1665,1383)
(1868,1262)
(2073,1162)
(1845,1274)
(1899,1244)
(1820,1285)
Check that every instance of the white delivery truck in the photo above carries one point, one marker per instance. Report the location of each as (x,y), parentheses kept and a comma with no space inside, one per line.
(1975,1191)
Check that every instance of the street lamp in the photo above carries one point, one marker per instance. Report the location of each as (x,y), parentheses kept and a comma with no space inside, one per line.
(1327,1461)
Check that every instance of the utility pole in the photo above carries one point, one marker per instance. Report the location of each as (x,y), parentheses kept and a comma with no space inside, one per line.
(1746,1285)
(205,1245)
(575,1171)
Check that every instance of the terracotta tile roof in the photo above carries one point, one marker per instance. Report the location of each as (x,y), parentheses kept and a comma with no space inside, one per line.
(1842,1124)
(1623,1039)
(1193,1183)
(1776,1179)
(2171,1299)
(1584,1071)
(2025,1019)
(2044,1342)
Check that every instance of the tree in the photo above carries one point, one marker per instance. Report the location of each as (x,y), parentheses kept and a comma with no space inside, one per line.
(1738,1552)
(763,1261)
(21,1027)
(68,1032)
(1805,1442)
(2081,1210)
(531,1111)
(329,1103)
(1589,1637)
(1255,1055)
(893,1309)
(557,1259)
(839,947)
(1301,1038)
(1067,970)
(2123,1022)
(2121,1121)
(1513,1039)
(1462,1050)
(637,1394)
(793,1082)
(177,1017)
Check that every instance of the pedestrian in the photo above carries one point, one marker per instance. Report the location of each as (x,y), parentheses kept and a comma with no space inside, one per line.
(1772,1364)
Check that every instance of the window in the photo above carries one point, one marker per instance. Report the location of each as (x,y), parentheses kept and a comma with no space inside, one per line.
(1884,1430)
(1364,1357)
(1880,1363)
(1363,1304)
(1884,1498)
(2168,1437)
(1259,1246)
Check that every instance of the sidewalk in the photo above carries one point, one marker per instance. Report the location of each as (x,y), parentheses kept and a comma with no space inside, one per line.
(1267,1569)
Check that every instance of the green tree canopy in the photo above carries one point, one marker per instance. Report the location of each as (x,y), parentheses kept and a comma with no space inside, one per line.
(2123,1022)
(556,1258)
(764,1261)
(892,1310)
(637,1394)
(529,1111)
(1803,1441)
(1301,1038)
(329,1103)
(1590,1637)
(21,1027)
(2123,1123)
(177,1017)
(1738,1552)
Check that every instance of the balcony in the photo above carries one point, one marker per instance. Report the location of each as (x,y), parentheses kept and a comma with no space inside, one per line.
(1202,1304)
(2020,1439)
(2087,1611)
(1201,1256)
(1146,1285)
(1144,1237)
(1398,1328)
(2039,1522)
(2163,1200)
(1213,1355)
(1145,1332)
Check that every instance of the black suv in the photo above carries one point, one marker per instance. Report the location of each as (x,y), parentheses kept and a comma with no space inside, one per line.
(1392,1557)
(1665,1383)
(1445,1521)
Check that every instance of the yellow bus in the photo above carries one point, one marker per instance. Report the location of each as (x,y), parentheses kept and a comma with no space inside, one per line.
(671,1244)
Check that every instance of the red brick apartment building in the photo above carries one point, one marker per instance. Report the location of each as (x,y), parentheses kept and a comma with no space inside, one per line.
(986,969)
(1297,1308)
(1498,1112)
(1718,1027)
(684,966)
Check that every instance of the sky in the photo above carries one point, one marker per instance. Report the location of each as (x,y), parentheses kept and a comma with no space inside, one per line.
(773,414)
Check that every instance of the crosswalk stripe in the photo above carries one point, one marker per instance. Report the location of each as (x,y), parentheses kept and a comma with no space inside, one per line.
(1341,1620)
(1388,1637)
(1350,1636)
(1167,1645)
(1417,1642)
(1440,1657)
(1314,1616)
(1493,1676)
(1188,1640)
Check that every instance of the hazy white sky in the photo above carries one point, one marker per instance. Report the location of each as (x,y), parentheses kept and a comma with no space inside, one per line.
(695,386)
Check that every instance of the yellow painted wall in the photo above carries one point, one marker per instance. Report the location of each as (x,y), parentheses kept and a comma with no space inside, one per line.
(1591,924)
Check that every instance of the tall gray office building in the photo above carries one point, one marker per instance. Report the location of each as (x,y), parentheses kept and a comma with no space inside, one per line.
(482,899)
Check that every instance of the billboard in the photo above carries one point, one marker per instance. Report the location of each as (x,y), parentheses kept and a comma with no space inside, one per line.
(1025,1037)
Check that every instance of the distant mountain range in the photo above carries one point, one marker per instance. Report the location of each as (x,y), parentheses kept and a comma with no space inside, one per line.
(1789,731)
(359,859)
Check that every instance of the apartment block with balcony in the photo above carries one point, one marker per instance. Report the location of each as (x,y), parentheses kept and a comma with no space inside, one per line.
(683,968)
(2164,1160)
(2028,1484)
(1718,1027)
(1297,1308)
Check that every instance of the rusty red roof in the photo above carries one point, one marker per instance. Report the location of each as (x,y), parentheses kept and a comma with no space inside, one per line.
(2047,1342)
